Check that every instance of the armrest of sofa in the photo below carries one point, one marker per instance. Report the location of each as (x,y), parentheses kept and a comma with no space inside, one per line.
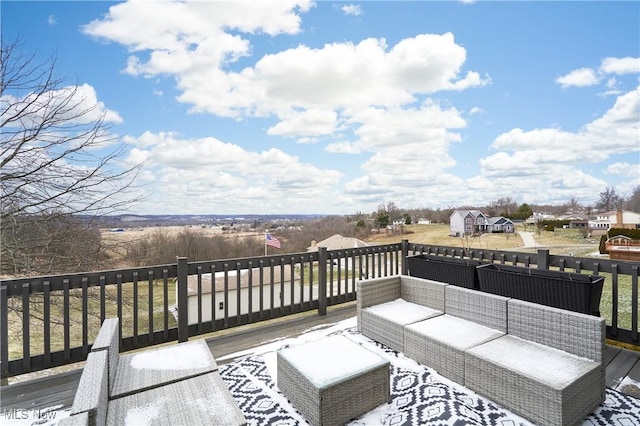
(108,340)
(92,395)
(376,291)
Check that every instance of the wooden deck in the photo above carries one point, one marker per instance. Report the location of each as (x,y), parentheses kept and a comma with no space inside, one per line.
(623,365)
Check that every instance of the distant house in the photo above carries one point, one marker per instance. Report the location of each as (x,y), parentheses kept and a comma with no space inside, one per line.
(337,242)
(500,224)
(467,222)
(613,219)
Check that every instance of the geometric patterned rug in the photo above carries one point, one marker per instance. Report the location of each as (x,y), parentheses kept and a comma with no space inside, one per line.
(419,396)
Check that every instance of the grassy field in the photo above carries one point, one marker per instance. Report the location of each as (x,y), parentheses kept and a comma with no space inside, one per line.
(56,323)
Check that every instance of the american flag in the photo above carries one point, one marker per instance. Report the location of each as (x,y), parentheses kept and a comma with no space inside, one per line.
(272,241)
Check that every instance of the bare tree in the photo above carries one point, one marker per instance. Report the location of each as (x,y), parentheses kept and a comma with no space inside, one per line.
(633,202)
(609,200)
(59,166)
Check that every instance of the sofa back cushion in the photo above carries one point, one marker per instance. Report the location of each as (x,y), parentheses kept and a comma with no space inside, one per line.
(485,309)
(579,334)
(423,292)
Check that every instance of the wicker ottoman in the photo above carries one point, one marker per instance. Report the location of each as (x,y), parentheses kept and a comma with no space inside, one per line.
(333,380)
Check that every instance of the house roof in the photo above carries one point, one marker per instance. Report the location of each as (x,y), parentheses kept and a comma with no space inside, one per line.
(338,242)
(498,220)
(464,213)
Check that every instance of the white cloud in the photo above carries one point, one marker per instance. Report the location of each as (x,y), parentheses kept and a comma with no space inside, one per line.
(227,177)
(305,123)
(73,104)
(624,169)
(51,20)
(352,9)
(620,66)
(476,110)
(579,78)
(584,77)
(554,159)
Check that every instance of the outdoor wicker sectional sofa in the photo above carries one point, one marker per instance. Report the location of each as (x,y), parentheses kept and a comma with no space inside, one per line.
(543,363)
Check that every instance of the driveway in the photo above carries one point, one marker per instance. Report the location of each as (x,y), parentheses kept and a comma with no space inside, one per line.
(527,239)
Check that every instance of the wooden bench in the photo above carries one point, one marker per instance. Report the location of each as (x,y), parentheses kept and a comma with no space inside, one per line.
(177,384)
(543,363)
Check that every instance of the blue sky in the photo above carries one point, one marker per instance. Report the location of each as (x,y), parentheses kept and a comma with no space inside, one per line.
(335,107)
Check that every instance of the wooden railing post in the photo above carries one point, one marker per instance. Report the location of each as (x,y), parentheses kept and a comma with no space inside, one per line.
(183,302)
(405,253)
(322,281)
(543,258)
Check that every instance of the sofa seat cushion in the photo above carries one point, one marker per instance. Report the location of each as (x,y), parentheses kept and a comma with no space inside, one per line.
(545,385)
(542,363)
(440,343)
(385,322)
(402,312)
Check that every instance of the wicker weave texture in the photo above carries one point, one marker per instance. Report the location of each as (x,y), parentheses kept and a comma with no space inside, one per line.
(338,402)
(202,400)
(130,379)
(482,308)
(81,419)
(423,292)
(441,342)
(389,333)
(108,339)
(541,393)
(92,395)
(374,292)
(579,334)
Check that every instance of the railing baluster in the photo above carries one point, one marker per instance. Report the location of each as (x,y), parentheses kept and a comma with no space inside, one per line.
(292,273)
(135,309)
(250,285)
(226,295)
(66,320)
(199,295)
(85,317)
(151,294)
(261,284)
(26,326)
(46,295)
(165,301)
(214,290)
(614,296)
(238,293)
(634,303)
(272,294)
(103,299)
(119,299)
